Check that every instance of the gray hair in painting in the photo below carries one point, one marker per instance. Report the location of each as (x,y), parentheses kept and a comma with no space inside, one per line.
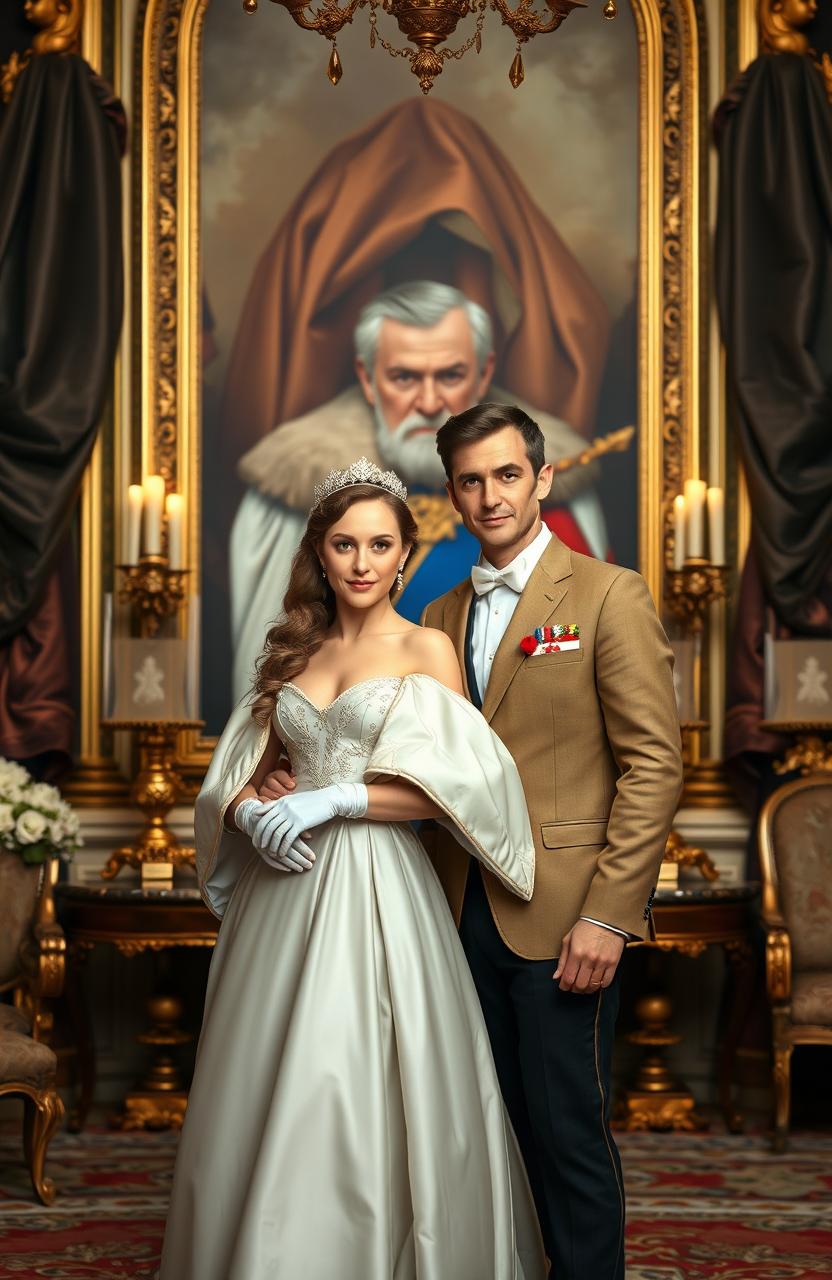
(421,303)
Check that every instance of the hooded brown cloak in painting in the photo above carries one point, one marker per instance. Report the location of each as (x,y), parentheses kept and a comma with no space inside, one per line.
(420,193)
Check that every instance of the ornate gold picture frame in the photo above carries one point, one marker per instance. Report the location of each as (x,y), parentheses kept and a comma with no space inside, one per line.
(672,372)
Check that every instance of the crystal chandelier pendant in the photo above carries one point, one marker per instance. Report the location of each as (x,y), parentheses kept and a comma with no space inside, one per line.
(610,10)
(334,70)
(250,6)
(517,73)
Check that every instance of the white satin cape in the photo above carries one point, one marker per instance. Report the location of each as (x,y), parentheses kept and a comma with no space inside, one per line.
(431,737)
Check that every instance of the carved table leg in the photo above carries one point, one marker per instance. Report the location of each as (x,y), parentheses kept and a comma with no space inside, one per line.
(657,1099)
(160,1100)
(740,957)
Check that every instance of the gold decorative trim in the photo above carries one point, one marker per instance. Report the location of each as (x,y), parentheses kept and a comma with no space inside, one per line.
(748,32)
(691,947)
(671,110)
(91,557)
(748,47)
(161,942)
(135,944)
(678,263)
(158,266)
(149,1111)
(779,965)
(92,35)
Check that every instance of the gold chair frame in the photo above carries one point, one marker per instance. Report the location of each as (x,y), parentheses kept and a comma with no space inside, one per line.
(785,1034)
(40,978)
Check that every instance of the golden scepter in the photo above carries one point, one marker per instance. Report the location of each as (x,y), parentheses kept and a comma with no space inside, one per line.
(613,442)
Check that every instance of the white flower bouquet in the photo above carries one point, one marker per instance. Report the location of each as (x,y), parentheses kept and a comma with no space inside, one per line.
(35,822)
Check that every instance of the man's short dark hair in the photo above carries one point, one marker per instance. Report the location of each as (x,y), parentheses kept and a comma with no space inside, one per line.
(481,421)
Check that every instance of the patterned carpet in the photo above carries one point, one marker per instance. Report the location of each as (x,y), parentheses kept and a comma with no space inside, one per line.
(700,1208)
(706,1206)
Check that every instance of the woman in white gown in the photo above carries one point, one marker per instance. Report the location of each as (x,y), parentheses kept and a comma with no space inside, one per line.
(345,1119)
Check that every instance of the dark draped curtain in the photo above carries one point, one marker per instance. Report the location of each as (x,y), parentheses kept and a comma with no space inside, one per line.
(774,290)
(60,315)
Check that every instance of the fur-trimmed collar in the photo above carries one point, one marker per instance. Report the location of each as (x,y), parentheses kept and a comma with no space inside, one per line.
(288,462)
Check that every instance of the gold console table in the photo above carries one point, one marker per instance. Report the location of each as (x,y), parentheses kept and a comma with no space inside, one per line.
(689,921)
(133,920)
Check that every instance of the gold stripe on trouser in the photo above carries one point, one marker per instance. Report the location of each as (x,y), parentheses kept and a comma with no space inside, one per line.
(605,1130)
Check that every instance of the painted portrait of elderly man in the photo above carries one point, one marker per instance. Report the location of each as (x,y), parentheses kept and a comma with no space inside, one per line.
(410,276)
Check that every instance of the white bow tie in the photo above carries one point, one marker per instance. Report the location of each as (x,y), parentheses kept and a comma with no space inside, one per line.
(485,579)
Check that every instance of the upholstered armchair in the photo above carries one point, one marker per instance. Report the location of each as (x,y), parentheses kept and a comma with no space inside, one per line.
(795,840)
(32,960)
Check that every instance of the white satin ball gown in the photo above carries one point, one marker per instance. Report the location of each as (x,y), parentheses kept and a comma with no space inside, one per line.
(345,1120)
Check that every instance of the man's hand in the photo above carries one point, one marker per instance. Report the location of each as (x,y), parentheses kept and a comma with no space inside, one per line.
(588,958)
(279,783)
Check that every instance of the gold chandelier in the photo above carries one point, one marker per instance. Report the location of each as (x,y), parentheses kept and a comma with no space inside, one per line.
(426,24)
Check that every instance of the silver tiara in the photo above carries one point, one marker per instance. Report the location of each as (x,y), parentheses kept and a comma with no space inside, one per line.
(361,472)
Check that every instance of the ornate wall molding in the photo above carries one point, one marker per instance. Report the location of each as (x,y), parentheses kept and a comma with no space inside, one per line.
(159,268)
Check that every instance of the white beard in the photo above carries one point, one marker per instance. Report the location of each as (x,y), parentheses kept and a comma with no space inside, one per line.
(415,459)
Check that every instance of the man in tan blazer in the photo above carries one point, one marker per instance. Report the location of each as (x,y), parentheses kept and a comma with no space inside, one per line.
(568,661)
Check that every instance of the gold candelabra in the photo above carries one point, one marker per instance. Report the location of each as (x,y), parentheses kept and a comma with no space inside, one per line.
(153,589)
(155,791)
(426,24)
(690,591)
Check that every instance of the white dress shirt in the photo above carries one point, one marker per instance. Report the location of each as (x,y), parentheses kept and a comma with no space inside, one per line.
(493,611)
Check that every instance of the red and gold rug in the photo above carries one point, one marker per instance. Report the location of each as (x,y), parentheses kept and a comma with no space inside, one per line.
(700,1207)
(719,1207)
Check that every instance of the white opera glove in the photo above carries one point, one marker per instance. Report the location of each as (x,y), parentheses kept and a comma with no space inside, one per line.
(247,815)
(279,830)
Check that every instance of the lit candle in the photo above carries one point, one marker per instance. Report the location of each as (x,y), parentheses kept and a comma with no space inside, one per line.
(175,510)
(695,512)
(135,498)
(716,526)
(678,531)
(154,502)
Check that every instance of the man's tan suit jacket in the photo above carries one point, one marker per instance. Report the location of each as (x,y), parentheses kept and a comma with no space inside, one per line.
(595,734)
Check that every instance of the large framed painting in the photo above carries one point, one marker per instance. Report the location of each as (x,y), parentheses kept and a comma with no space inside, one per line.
(280,216)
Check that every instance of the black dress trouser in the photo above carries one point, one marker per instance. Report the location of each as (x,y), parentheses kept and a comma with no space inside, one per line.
(553,1053)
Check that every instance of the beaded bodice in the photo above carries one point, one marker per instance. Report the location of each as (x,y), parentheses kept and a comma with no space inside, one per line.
(333,743)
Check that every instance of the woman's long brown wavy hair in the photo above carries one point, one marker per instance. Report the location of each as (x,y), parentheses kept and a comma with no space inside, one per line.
(309,604)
